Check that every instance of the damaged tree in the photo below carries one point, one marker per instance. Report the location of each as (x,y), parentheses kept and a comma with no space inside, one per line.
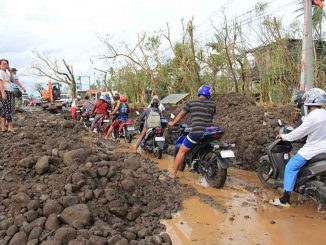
(57,71)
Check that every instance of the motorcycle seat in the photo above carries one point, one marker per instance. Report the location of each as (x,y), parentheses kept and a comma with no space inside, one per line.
(318,158)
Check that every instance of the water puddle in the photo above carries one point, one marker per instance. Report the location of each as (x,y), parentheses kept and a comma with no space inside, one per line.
(245,216)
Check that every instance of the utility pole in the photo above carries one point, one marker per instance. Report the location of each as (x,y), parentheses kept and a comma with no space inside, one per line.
(307,61)
(307,71)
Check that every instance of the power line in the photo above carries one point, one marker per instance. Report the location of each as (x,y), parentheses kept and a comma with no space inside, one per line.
(247,21)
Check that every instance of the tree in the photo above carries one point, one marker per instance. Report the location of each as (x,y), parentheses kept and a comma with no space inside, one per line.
(56,70)
(39,88)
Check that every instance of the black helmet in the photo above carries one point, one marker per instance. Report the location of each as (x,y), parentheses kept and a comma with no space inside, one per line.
(116,97)
(297,98)
(155,103)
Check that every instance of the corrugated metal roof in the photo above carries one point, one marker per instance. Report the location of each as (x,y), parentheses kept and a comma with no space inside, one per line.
(174,98)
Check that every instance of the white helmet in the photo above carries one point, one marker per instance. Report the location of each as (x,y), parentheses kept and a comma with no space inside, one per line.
(78,97)
(101,97)
(314,97)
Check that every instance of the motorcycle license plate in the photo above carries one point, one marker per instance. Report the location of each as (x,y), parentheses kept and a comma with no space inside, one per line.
(91,119)
(106,121)
(227,154)
(130,128)
(159,139)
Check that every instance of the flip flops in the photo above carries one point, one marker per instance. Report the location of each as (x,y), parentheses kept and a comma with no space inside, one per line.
(165,176)
(277,202)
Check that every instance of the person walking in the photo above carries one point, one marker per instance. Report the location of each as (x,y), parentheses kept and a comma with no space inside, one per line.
(6,79)
(17,100)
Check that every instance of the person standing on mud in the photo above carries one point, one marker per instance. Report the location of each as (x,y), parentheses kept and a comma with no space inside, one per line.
(313,126)
(17,100)
(202,111)
(6,79)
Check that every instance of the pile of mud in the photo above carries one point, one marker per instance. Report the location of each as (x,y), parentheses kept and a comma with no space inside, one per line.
(59,187)
(249,126)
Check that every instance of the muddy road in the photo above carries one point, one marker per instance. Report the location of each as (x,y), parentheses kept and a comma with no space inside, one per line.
(62,185)
(240,214)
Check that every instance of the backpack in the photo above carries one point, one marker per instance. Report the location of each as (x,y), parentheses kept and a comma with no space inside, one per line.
(124,109)
(153,120)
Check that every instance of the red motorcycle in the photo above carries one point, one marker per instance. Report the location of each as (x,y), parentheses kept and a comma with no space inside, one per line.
(125,130)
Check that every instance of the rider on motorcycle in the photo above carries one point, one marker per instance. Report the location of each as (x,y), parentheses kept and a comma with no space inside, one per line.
(202,111)
(160,106)
(313,126)
(152,118)
(100,108)
(122,110)
(87,108)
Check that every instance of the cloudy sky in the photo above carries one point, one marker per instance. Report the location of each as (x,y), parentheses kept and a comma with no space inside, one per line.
(70,28)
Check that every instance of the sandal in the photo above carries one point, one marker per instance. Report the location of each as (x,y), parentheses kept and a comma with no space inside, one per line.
(165,176)
(277,202)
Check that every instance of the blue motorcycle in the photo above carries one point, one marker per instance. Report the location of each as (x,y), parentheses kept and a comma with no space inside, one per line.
(210,157)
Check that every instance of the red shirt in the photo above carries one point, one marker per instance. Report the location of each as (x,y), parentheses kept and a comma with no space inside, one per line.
(101,107)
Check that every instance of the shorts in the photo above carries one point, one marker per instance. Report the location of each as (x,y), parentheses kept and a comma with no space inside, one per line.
(191,140)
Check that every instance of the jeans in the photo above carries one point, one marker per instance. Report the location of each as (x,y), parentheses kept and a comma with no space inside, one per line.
(96,119)
(292,169)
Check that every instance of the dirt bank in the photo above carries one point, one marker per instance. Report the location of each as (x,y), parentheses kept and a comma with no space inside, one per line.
(59,187)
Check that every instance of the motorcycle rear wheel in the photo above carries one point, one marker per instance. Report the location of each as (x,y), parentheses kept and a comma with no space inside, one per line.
(264,173)
(216,175)
(159,153)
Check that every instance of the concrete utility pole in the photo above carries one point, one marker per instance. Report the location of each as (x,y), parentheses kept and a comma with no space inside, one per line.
(307,62)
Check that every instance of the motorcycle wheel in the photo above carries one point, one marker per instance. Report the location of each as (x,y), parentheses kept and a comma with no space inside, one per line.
(159,153)
(216,175)
(126,136)
(264,173)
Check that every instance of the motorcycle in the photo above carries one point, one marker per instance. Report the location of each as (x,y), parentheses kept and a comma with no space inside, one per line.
(125,131)
(102,125)
(154,140)
(211,157)
(311,180)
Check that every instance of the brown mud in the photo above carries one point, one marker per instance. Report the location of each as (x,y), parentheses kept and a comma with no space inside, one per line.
(60,185)
(240,214)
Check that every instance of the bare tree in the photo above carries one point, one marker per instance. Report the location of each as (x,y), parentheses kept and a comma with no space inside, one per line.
(138,55)
(56,70)
(39,88)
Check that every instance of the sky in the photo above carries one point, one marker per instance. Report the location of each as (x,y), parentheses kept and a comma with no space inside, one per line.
(71,29)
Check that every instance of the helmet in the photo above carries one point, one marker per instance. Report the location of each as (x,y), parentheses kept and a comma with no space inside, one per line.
(155,103)
(123,99)
(116,97)
(314,97)
(107,98)
(205,90)
(297,98)
(78,97)
(101,97)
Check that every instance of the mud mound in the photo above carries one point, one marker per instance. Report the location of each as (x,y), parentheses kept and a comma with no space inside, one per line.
(249,126)
(57,187)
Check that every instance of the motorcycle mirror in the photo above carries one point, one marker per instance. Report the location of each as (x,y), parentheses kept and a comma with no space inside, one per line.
(137,113)
(172,116)
(280,123)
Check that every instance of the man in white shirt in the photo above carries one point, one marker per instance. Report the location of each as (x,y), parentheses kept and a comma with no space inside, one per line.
(313,126)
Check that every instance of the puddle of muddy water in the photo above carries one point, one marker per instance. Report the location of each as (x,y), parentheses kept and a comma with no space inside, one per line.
(245,217)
